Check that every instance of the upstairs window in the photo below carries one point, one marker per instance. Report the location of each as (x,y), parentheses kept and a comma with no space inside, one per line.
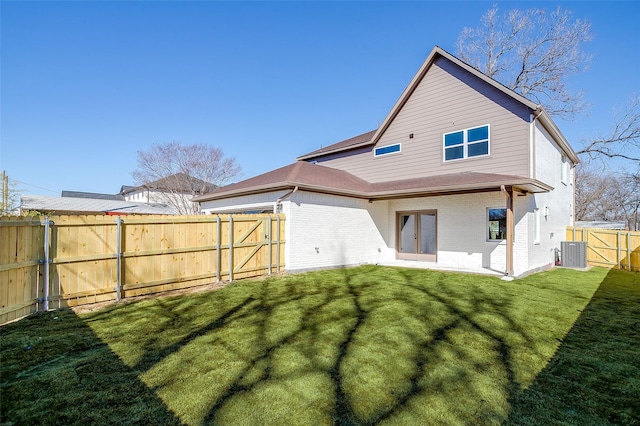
(466,143)
(564,170)
(388,149)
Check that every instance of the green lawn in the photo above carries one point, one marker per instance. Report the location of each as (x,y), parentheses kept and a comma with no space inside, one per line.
(360,346)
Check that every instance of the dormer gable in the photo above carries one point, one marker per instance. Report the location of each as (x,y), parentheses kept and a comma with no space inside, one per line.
(445,97)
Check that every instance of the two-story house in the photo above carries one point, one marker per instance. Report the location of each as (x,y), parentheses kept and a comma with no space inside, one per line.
(462,173)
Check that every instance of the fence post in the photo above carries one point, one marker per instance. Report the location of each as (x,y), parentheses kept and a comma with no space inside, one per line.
(119,258)
(218,247)
(278,244)
(230,248)
(618,260)
(269,243)
(629,251)
(45,286)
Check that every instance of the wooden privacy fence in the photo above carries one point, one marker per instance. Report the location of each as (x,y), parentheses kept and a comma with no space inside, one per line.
(63,261)
(609,248)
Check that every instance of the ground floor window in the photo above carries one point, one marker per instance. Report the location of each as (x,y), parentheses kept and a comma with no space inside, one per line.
(497,220)
(536,226)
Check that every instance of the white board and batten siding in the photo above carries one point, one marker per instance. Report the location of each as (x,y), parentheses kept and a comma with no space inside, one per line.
(434,109)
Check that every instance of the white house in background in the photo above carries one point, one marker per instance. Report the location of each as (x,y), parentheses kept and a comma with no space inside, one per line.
(176,190)
(463,173)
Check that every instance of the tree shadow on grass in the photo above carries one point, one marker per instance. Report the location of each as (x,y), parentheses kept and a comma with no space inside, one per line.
(55,370)
(594,377)
(358,346)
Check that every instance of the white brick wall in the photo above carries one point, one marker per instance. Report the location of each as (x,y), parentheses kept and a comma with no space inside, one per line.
(325,231)
(328,231)
(559,202)
(462,228)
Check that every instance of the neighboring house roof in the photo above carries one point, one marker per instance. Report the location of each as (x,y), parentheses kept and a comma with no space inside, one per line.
(602,224)
(93,195)
(178,182)
(366,140)
(68,205)
(318,178)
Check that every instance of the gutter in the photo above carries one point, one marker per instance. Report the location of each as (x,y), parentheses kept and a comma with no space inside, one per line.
(279,200)
(532,142)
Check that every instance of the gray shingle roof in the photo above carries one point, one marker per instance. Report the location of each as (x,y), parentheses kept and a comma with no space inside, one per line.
(94,195)
(350,143)
(180,182)
(90,205)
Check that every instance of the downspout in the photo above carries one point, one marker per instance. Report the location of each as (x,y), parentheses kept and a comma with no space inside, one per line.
(279,200)
(509,195)
(532,142)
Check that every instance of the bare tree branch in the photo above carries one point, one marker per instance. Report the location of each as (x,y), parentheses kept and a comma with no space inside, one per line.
(181,172)
(10,194)
(602,195)
(624,140)
(532,52)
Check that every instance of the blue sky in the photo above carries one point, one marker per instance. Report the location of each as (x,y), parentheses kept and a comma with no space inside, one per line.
(85,85)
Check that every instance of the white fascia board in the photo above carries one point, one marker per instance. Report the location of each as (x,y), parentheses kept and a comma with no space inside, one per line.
(238,207)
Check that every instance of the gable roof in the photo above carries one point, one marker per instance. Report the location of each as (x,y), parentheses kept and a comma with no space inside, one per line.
(318,178)
(180,182)
(351,143)
(93,195)
(436,53)
(90,205)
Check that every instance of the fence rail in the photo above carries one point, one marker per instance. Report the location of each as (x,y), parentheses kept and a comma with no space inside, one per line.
(63,261)
(609,248)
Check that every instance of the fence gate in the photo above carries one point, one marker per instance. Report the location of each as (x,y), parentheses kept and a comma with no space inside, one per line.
(63,261)
(609,248)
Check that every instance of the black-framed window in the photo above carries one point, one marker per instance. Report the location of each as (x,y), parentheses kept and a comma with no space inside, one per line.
(497,224)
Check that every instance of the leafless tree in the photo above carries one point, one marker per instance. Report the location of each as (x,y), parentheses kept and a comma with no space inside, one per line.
(623,141)
(532,52)
(590,190)
(9,195)
(603,195)
(181,172)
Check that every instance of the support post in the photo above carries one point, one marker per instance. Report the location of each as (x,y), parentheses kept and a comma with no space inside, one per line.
(510,229)
(510,232)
